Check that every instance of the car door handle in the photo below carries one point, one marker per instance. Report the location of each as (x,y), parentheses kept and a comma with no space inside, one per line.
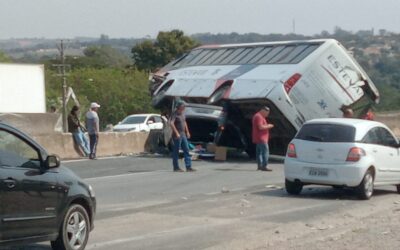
(10,183)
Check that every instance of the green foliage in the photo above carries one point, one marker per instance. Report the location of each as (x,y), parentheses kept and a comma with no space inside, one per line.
(120,92)
(4,58)
(169,45)
(390,98)
(102,57)
(146,55)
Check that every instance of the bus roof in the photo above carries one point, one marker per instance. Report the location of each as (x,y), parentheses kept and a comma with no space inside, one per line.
(231,45)
(286,52)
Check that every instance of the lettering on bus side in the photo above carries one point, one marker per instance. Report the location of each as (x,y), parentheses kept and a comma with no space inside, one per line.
(349,75)
(193,72)
(340,69)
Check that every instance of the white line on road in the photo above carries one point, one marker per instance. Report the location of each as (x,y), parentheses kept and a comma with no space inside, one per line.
(97,159)
(187,229)
(110,243)
(123,175)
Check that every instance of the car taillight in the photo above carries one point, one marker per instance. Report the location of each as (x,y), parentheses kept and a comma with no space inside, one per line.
(291,152)
(355,154)
(289,84)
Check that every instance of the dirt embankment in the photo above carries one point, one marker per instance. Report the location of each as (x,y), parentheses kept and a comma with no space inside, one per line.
(391,119)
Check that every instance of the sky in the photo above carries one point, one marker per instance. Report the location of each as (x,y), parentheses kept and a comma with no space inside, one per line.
(143,18)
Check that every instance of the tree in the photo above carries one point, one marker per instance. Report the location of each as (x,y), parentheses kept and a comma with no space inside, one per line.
(169,45)
(103,56)
(120,92)
(146,55)
(4,58)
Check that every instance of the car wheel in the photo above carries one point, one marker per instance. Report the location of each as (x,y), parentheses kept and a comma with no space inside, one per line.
(398,188)
(293,187)
(74,231)
(366,187)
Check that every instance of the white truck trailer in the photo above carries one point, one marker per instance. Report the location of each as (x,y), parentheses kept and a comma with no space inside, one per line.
(22,88)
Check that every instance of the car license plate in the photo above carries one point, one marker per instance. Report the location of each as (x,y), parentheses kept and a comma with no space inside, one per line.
(318,172)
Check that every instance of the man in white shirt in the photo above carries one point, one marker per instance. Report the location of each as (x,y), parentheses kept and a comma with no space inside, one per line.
(93,128)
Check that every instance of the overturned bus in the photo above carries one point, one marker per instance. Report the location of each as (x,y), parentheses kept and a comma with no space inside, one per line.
(224,85)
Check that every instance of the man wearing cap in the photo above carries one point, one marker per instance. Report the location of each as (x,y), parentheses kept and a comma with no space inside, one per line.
(260,136)
(180,134)
(93,128)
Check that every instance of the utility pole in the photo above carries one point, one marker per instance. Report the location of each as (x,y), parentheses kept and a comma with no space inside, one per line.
(294,26)
(62,73)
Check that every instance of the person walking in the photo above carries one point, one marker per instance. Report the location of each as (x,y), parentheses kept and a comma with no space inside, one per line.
(180,134)
(75,127)
(260,136)
(93,128)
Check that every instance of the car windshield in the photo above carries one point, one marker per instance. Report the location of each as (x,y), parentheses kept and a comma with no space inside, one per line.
(326,133)
(134,120)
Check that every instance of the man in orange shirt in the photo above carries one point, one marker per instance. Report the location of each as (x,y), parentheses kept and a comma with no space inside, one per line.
(260,136)
(369,115)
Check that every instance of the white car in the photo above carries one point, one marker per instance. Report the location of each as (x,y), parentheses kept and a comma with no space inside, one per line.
(343,153)
(140,123)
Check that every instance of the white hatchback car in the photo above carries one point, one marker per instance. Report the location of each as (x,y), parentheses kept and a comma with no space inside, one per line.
(140,123)
(343,153)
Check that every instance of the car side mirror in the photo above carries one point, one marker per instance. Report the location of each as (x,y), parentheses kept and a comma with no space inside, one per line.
(150,122)
(52,161)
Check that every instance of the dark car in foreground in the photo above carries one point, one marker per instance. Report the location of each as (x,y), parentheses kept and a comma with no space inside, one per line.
(41,200)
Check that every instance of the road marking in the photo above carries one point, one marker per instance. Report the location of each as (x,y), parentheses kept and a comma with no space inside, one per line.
(123,175)
(188,229)
(108,244)
(102,158)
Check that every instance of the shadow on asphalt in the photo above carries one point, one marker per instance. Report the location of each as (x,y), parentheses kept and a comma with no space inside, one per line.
(322,193)
(234,169)
(232,157)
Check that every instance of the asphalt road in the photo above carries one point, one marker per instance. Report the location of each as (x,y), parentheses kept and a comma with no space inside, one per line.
(142,204)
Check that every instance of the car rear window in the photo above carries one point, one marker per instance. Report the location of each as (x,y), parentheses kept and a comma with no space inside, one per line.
(134,120)
(326,133)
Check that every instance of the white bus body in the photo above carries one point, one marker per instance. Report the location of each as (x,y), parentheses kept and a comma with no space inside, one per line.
(299,80)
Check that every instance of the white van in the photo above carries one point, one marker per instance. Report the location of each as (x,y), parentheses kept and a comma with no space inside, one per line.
(298,80)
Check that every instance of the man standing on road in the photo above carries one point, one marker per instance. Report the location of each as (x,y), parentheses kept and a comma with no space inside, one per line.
(180,134)
(260,134)
(93,128)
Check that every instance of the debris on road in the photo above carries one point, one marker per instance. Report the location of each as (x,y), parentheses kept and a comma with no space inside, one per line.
(273,187)
(224,190)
